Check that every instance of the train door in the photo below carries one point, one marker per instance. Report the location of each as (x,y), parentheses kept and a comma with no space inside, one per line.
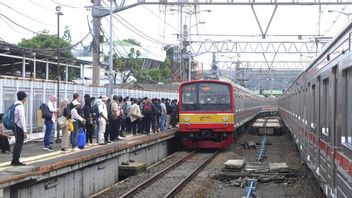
(326,129)
(317,127)
(334,133)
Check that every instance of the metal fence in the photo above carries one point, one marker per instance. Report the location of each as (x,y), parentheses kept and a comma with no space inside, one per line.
(38,92)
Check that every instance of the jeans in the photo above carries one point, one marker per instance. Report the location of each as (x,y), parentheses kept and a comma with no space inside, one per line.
(48,132)
(74,134)
(162,122)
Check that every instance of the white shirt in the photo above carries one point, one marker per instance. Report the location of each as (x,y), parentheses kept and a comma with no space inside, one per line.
(102,110)
(20,118)
(75,115)
(52,108)
(163,109)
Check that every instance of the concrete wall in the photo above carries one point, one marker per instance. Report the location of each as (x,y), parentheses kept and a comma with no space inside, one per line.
(82,180)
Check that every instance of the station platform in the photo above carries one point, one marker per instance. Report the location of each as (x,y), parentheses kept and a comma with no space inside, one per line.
(44,169)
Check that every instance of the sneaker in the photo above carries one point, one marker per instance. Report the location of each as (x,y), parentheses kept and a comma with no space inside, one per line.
(45,148)
(75,149)
(119,138)
(64,150)
(6,152)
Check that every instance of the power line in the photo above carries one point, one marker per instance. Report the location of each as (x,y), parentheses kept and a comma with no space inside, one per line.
(4,16)
(40,5)
(65,5)
(164,21)
(18,12)
(136,30)
(10,26)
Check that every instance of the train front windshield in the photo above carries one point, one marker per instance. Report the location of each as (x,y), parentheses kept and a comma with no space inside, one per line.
(206,97)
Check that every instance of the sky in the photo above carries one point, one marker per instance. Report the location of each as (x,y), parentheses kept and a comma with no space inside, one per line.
(155,26)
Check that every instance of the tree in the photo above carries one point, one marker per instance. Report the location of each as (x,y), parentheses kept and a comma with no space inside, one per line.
(131,68)
(49,44)
(132,41)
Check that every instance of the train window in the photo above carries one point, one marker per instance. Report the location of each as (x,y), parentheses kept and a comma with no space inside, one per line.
(206,97)
(350,43)
(324,108)
(313,117)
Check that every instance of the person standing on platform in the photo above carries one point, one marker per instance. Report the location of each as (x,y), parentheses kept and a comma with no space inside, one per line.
(162,115)
(50,123)
(20,128)
(88,114)
(76,118)
(148,114)
(114,119)
(135,116)
(65,112)
(103,119)
(4,139)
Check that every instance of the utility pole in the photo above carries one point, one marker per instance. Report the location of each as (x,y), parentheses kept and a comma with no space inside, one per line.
(110,55)
(96,43)
(181,43)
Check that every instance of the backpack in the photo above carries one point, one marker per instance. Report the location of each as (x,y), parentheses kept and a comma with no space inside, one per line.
(81,138)
(147,107)
(8,118)
(96,112)
(157,109)
(46,113)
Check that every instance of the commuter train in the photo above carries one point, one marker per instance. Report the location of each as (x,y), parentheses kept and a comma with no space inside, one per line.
(211,110)
(317,108)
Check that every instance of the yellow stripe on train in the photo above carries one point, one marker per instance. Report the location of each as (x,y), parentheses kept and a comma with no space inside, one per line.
(207,118)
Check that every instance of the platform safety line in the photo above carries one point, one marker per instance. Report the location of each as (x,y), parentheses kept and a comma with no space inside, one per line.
(44,157)
(51,155)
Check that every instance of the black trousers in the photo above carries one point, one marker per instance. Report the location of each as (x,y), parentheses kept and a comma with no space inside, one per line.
(128,124)
(114,125)
(89,131)
(19,135)
(107,131)
(4,144)
(134,126)
(147,120)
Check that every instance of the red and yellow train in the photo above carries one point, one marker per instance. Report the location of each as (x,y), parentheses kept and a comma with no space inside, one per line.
(210,111)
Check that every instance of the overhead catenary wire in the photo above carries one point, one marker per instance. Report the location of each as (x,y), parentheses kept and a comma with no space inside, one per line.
(136,30)
(163,20)
(65,5)
(21,26)
(5,21)
(20,13)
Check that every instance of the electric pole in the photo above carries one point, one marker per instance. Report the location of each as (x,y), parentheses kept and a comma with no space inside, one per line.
(96,42)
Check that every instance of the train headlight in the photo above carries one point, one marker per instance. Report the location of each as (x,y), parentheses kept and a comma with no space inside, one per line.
(226,118)
(186,118)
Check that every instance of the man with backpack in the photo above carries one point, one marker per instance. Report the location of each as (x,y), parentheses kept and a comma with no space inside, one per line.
(49,113)
(148,109)
(20,128)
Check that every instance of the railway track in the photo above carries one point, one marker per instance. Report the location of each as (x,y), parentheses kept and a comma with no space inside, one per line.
(172,179)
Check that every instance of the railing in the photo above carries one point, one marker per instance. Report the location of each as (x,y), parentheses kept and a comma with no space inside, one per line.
(38,92)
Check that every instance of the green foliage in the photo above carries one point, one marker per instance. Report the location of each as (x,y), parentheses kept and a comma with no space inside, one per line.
(131,67)
(46,41)
(132,41)
(50,42)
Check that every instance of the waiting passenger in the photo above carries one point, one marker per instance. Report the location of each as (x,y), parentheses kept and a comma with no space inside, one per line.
(76,118)
(4,139)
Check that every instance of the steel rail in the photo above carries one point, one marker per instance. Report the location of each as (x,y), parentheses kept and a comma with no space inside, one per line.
(156,176)
(191,176)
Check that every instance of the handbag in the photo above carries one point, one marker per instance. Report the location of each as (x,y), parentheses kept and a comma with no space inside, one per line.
(70,125)
(62,122)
